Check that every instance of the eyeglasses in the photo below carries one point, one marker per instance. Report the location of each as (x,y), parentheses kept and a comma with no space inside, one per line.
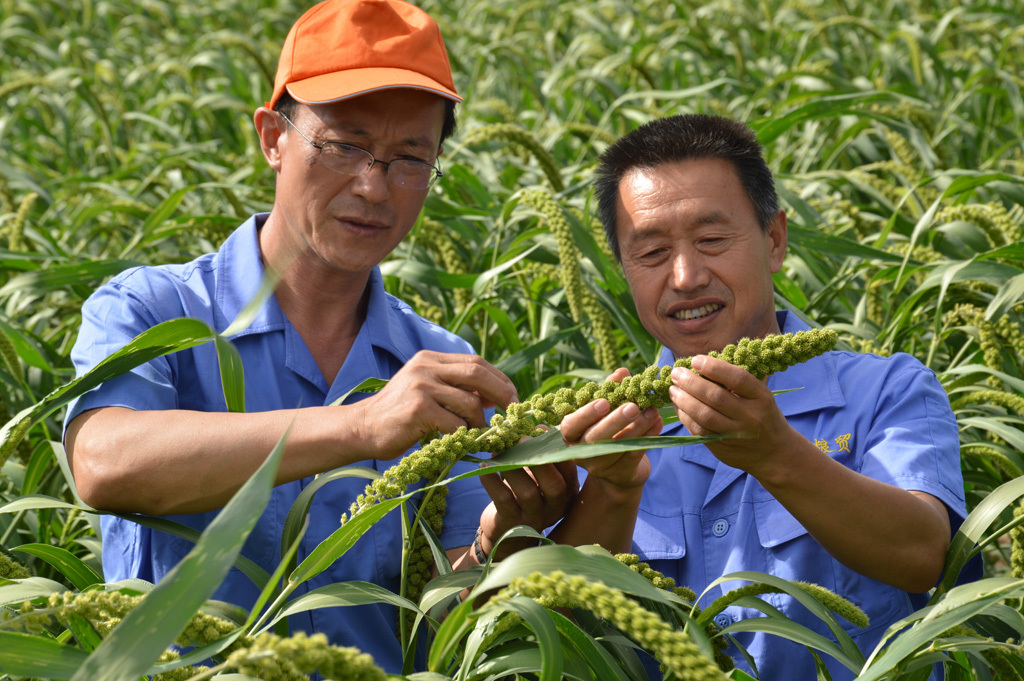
(348,159)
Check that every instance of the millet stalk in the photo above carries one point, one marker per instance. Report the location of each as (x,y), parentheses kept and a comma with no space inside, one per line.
(761,357)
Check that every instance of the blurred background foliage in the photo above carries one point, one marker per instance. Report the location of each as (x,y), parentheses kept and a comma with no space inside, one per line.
(894,130)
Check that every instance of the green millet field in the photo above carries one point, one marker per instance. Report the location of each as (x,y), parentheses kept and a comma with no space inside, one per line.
(896,134)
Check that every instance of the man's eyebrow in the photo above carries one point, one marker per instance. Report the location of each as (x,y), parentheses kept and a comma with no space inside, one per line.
(714,217)
(644,234)
(648,232)
(424,141)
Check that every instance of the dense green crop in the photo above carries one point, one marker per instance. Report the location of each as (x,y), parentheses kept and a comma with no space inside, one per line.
(894,131)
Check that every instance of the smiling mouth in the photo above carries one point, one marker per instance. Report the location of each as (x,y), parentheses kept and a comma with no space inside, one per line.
(366,225)
(697,313)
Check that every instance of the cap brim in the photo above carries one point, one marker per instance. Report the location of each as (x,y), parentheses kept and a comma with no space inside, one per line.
(335,87)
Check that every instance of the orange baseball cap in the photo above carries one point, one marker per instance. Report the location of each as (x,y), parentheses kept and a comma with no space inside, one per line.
(345,48)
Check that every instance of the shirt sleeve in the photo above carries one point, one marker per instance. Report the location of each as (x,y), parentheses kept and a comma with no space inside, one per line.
(111,318)
(914,442)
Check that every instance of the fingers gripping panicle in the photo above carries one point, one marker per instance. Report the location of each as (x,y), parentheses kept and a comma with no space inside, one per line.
(759,356)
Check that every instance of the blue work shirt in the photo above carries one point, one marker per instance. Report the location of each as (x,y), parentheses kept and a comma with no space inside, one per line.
(885,417)
(280,373)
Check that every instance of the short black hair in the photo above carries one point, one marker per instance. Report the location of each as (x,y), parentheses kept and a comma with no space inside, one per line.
(287,105)
(683,138)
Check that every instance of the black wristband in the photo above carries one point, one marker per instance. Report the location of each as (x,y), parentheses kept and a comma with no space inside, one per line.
(478,550)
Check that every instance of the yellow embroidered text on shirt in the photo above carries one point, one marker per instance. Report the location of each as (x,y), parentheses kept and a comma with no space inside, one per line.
(842,441)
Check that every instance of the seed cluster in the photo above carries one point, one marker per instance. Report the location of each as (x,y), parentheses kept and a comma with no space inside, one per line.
(272,658)
(761,357)
(999,224)
(424,308)
(437,456)
(583,304)
(998,459)
(568,253)
(1008,401)
(268,657)
(1017,544)
(837,212)
(672,647)
(997,657)
(659,580)
(439,239)
(182,673)
(10,568)
(104,610)
(421,558)
(525,139)
(993,335)
(16,231)
(834,602)
(9,359)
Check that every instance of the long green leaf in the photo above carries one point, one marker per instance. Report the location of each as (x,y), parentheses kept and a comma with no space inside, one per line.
(35,502)
(147,630)
(232,376)
(38,657)
(370,385)
(962,547)
(43,281)
(300,507)
(170,336)
(550,448)
(769,129)
(28,589)
(341,540)
(851,655)
(71,566)
(958,605)
(540,621)
(340,595)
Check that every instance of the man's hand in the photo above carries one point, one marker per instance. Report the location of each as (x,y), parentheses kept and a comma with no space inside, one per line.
(538,496)
(605,510)
(593,423)
(725,399)
(434,391)
(849,514)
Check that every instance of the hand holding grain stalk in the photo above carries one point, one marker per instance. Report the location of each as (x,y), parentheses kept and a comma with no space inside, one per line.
(761,357)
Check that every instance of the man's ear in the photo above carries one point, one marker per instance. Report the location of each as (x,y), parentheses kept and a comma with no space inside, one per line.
(268,128)
(777,240)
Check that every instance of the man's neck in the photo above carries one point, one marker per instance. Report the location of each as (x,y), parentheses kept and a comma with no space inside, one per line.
(325,305)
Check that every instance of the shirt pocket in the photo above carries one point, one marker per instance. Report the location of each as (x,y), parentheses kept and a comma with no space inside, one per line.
(793,554)
(658,534)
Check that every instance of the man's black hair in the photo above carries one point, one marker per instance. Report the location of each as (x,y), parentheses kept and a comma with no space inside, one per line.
(287,105)
(683,138)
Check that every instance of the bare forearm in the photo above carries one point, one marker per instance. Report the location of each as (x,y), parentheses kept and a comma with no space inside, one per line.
(886,533)
(170,462)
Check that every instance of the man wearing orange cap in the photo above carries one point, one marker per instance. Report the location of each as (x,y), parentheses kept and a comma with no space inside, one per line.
(362,104)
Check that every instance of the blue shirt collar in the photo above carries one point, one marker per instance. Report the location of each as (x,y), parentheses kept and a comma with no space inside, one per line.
(240,273)
(384,321)
(814,383)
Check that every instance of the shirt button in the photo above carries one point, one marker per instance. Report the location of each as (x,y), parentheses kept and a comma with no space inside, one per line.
(720,527)
(723,620)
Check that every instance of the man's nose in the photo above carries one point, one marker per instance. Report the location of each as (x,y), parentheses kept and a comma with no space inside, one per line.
(372,184)
(689,272)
